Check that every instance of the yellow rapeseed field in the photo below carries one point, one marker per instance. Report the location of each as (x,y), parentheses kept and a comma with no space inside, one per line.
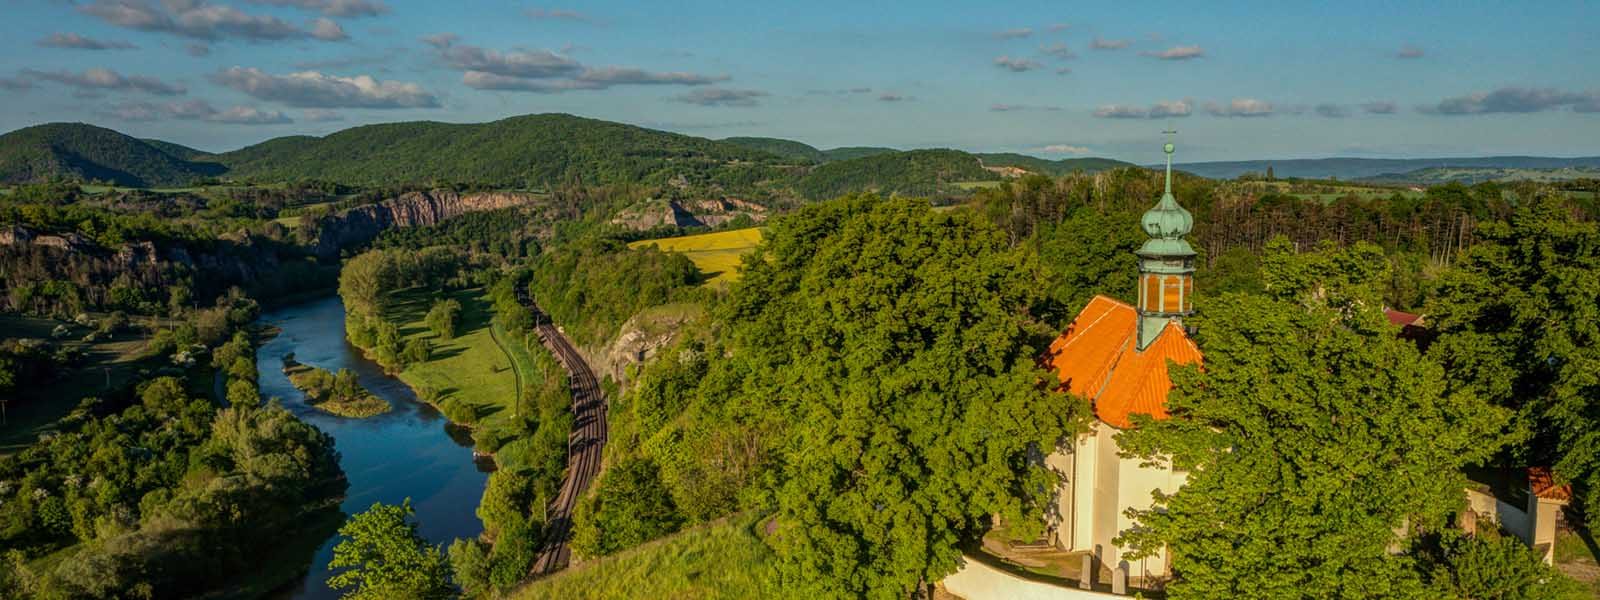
(716,254)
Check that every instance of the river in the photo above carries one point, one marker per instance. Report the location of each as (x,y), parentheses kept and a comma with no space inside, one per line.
(405,453)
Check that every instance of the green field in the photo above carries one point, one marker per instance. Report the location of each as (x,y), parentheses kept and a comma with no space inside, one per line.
(35,410)
(722,559)
(470,368)
(974,185)
(717,254)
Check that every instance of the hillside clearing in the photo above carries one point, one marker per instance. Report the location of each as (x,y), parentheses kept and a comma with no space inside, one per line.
(469,368)
(716,254)
(721,559)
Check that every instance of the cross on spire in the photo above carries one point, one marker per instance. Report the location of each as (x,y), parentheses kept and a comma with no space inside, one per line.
(1168,149)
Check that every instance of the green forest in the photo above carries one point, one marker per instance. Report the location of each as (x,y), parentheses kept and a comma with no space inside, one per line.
(848,418)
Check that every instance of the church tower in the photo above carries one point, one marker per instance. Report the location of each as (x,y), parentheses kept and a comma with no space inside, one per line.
(1166,264)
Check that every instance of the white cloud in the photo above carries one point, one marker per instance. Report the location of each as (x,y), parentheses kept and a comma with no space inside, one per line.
(75,41)
(1064,149)
(712,96)
(1177,53)
(108,80)
(1016,65)
(311,89)
(1104,44)
(1241,107)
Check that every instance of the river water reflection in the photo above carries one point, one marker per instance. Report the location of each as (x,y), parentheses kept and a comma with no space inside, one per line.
(405,453)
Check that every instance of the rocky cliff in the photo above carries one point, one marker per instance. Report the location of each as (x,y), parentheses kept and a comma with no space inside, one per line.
(361,224)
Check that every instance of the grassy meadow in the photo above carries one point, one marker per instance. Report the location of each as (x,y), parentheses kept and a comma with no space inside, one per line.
(471,368)
(716,254)
(115,360)
(723,559)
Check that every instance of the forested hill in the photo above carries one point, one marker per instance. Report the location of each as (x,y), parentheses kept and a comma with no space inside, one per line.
(87,152)
(532,150)
(781,147)
(1050,167)
(1357,168)
(916,172)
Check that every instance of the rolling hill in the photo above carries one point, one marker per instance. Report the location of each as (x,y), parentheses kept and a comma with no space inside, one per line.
(781,147)
(917,172)
(87,152)
(1357,168)
(1054,168)
(1471,175)
(530,150)
(850,152)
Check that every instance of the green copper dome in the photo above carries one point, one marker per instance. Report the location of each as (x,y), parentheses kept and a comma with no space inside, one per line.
(1167,223)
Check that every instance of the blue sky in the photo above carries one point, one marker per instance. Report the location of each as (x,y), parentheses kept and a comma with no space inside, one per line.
(1238,80)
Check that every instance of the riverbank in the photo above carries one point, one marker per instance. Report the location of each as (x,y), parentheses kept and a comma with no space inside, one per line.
(406,452)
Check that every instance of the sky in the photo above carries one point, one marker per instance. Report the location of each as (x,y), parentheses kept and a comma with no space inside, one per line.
(1246,80)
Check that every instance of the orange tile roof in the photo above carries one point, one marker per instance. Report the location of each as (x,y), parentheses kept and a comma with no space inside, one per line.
(1096,357)
(1543,484)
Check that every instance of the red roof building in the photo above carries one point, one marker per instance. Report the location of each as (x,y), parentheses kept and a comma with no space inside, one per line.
(1097,358)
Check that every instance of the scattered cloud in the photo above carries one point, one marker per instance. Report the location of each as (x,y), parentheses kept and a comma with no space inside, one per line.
(15,84)
(1058,50)
(1177,53)
(440,40)
(327,30)
(557,14)
(1058,27)
(1014,34)
(1063,71)
(78,42)
(840,92)
(713,96)
(1104,44)
(631,76)
(197,50)
(1166,109)
(893,97)
(1241,107)
(197,19)
(1120,111)
(1380,107)
(543,71)
(319,115)
(1016,65)
(1020,107)
(1064,149)
(1171,109)
(1515,100)
(311,89)
(1409,51)
(101,79)
(1332,111)
(196,110)
(333,8)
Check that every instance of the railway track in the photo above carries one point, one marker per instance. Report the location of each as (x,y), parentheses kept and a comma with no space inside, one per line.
(585,444)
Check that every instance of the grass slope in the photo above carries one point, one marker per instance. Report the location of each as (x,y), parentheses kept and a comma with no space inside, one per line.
(720,560)
(82,151)
(542,149)
(716,254)
(471,368)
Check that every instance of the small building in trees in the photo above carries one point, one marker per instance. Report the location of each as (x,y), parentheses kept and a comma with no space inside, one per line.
(1116,355)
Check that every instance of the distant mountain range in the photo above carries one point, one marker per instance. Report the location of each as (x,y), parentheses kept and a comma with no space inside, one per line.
(525,151)
(1361,168)
(552,149)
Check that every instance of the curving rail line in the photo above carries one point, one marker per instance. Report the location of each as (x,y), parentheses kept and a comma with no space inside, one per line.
(584,445)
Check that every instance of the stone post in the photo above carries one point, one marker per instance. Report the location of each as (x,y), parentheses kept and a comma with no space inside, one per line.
(1086,576)
(1119,580)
